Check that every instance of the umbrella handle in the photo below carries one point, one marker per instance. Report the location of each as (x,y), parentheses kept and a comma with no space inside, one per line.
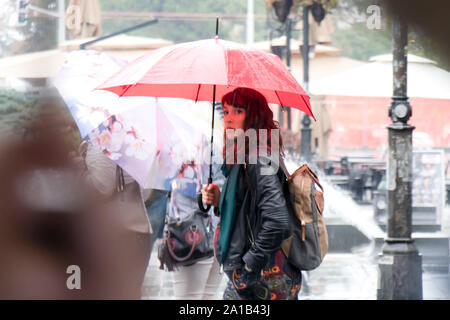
(200,201)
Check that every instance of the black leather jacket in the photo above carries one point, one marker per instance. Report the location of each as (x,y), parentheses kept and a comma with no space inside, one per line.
(267,217)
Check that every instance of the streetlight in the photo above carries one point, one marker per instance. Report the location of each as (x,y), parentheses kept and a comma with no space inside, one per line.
(318,13)
(305,145)
(400,264)
(282,8)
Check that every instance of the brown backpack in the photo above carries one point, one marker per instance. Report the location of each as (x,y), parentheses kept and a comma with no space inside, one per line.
(308,242)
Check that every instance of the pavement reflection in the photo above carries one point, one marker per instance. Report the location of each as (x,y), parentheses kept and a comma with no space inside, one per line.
(342,276)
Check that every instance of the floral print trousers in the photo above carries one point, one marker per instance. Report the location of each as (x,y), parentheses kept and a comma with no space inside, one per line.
(279,281)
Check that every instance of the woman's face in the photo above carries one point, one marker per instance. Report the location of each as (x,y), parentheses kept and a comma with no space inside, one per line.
(234,117)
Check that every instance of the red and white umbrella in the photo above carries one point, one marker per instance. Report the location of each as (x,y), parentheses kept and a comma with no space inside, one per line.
(205,70)
(193,70)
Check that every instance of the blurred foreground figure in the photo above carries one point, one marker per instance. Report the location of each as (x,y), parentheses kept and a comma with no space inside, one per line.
(58,238)
(123,198)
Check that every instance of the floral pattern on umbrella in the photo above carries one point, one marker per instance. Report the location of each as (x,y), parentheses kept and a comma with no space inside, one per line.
(143,135)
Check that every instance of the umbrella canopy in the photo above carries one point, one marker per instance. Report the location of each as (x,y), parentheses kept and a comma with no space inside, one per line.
(148,141)
(81,72)
(149,138)
(193,70)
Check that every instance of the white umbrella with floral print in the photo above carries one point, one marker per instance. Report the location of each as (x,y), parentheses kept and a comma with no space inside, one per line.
(81,72)
(148,141)
(143,135)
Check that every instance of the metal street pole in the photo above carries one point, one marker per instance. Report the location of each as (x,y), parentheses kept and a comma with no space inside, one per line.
(85,44)
(305,146)
(400,264)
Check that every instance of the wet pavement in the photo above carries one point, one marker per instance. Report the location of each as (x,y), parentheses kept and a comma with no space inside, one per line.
(341,276)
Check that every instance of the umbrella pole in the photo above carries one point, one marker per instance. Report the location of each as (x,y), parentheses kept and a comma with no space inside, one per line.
(199,195)
(213,113)
(212,135)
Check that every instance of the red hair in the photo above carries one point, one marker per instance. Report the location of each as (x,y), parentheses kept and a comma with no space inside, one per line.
(258,113)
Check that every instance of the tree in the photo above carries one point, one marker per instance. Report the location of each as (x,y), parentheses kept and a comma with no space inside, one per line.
(359,42)
(186,30)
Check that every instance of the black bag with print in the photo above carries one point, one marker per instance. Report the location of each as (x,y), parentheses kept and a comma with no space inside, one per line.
(186,242)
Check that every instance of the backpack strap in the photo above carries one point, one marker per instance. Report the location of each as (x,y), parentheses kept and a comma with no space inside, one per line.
(283,167)
(314,177)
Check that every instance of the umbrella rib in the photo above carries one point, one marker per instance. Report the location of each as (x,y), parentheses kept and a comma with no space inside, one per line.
(198,91)
(125,90)
(225,53)
(281,104)
(303,98)
(309,108)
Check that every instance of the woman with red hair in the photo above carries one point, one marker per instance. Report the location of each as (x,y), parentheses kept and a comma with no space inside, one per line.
(254,217)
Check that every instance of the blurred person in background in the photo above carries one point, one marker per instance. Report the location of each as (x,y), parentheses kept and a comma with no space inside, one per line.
(198,279)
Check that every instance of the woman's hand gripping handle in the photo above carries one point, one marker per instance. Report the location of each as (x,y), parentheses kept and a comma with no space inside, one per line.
(210,195)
